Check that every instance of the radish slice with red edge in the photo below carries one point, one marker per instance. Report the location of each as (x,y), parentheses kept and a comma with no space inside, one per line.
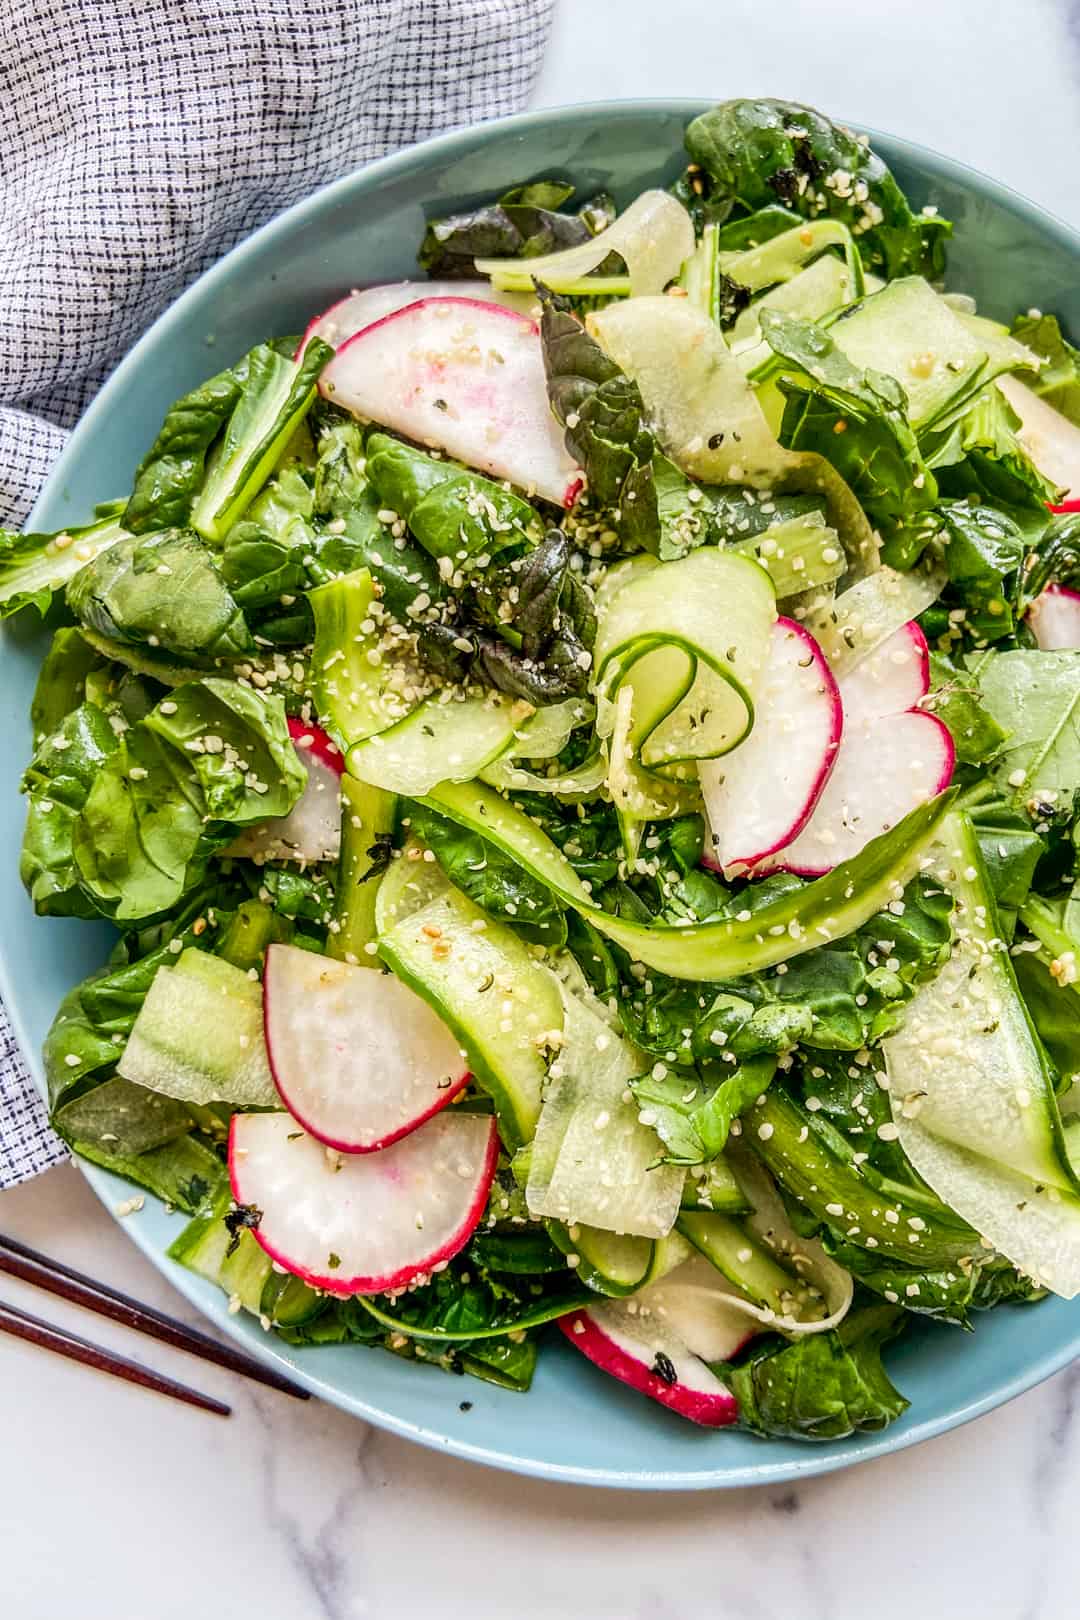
(1054,618)
(364,305)
(362,1225)
(358,1059)
(890,680)
(889,760)
(760,796)
(311,831)
(463,376)
(652,1362)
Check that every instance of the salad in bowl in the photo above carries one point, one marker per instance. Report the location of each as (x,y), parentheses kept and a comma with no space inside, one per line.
(580,750)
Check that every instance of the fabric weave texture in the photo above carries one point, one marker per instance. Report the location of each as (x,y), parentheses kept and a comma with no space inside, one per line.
(142,140)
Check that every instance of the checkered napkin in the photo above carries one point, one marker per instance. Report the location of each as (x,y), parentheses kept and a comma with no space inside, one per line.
(143,138)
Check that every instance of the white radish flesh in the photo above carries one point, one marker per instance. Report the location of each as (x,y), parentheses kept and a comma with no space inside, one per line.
(652,1362)
(889,680)
(364,305)
(760,796)
(358,1059)
(1054,619)
(311,831)
(362,1225)
(887,764)
(462,376)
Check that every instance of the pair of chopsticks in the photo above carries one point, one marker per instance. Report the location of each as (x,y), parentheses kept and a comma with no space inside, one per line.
(29,1266)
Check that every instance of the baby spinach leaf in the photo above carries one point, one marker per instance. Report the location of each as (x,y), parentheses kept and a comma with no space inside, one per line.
(956,698)
(694,1120)
(491,879)
(161,590)
(1055,558)
(754,153)
(62,678)
(978,455)
(1035,697)
(466,1302)
(983,552)
(450,510)
(826,1386)
(58,781)
(211,757)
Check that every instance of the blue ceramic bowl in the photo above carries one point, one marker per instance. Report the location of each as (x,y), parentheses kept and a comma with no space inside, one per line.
(575,1424)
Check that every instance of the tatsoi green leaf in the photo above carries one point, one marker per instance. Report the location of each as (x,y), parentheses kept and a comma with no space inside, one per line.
(171,472)
(543,655)
(453,512)
(58,781)
(276,396)
(463,1302)
(122,1118)
(858,421)
(979,455)
(1035,698)
(184,1172)
(161,590)
(33,566)
(756,153)
(826,1386)
(983,553)
(604,416)
(1058,379)
(214,752)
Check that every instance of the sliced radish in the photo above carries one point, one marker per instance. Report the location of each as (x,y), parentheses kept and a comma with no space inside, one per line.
(889,680)
(462,376)
(760,796)
(891,759)
(653,1361)
(365,305)
(312,829)
(362,1225)
(1054,618)
(358,1059)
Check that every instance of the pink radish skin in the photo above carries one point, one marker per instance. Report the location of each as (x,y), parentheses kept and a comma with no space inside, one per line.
(364,305)
(386,1219)
(1054,619)
(759,797)
(358,1059)
(462,376)
(311,832)
(890,760)
(696,1394)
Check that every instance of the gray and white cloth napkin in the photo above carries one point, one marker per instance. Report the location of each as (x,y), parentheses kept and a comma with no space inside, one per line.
(142,139)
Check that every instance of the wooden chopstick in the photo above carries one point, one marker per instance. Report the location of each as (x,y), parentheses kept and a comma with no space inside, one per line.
(30,1266)
(21,1325)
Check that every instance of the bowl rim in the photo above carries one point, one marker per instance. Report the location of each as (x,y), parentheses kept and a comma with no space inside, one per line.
(815,1461)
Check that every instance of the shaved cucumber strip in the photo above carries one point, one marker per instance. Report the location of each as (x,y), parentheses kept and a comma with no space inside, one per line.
(825,910)
(482,981)
(708,417)
(438,741)
(869,612)
(800,555)
(653,238)
(966,1062)
(694,635)
(368,814)
(591,1156)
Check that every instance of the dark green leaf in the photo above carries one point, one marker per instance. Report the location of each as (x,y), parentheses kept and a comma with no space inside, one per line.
(983,553)
(449,509)
(494,882)
(524,223)
(1058,380)
(171,473)
(753,153)
(161,590)
(826,1386)
(955,697)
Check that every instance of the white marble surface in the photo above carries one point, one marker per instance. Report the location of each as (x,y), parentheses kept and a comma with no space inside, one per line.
(115,1505)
